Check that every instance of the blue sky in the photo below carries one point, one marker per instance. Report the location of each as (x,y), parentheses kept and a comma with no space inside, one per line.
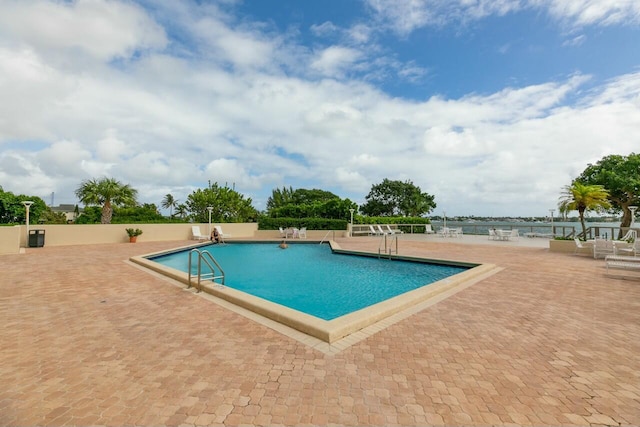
(492,106)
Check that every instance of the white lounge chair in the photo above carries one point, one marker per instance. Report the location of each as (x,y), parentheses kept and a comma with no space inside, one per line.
(196,234)
(492,234)
(373,231)
(428,229)
(220,233)
(381,231)
(632,248)
(515,234)
(392,230)
(302,233)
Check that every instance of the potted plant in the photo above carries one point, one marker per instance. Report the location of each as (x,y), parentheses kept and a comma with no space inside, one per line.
(133,234)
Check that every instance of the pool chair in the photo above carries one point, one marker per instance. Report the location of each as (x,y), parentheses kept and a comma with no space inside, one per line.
(302,233)
(381,230)
(392,231)
(428,229)
(582,248)
(196,234)
(630,249)
(373,231)
(602,248)
(222,235)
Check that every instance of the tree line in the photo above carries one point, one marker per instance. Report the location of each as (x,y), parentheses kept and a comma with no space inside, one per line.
(610,185)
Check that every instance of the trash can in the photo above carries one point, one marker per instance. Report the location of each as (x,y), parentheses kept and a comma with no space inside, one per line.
(36,238)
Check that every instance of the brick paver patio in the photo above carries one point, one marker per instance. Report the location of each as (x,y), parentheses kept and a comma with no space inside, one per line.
(88,339)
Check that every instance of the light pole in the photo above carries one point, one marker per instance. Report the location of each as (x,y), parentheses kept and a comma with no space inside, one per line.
(351,223)
(444,218)
(633,215)
(27,204)
(551,211)
(209,208)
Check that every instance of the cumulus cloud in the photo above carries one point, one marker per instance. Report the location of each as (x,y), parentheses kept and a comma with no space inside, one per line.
(176,117)
(405,16)
(335,60)
(101,29)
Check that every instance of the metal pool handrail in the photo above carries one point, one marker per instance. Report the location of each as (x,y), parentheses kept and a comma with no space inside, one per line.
(388,248)
(208,259)
(325,236)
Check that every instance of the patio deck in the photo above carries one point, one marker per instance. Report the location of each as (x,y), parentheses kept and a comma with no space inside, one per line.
(89,339)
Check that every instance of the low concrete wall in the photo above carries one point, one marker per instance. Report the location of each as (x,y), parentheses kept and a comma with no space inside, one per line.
(13,238)
(563,246)
(10,239)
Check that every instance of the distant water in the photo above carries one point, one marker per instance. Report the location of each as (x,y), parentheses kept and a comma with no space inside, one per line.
(562,228)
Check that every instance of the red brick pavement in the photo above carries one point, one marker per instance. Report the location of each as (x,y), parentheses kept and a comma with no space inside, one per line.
(88,339)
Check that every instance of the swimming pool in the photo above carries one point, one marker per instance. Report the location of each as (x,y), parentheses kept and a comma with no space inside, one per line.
(329,331)
(311,278)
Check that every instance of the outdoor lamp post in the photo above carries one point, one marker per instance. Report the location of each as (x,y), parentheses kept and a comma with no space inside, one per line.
(444,218)
(633,215)
(351,223)
(27,204)
(551,211)
(209,208)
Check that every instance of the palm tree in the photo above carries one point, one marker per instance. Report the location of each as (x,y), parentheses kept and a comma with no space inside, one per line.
(182,211)
(169,202)
(582,198)
(105,192)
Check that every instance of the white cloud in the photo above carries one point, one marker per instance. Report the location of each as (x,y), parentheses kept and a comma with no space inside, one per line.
(575,41)
(593,12)
(334,60)
(101,29)
(405,16)
(170,121)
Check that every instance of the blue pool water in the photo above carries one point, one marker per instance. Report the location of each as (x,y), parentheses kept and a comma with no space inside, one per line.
(311,278)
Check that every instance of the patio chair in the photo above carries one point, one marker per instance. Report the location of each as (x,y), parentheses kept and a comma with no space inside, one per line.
(381,231)
(515,234)
(196,234)
(632,249)
(393,231)
(302,233)
(373,231)
(492,234)
(220,233)
(582,248)
(602,248)
(428,229)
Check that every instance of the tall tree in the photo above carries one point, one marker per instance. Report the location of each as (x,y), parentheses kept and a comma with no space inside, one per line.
(280,198)
(304,203)
(228,205)
(182,211)
(12,210)
(620,176)
(169,202)
(582,198)
(106,192)
(397,198)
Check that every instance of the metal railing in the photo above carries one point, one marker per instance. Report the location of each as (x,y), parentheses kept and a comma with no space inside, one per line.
(388,246)
(325,236)
(208,259)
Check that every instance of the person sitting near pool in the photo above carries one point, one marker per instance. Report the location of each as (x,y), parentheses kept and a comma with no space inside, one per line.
(283,245)
(215,236)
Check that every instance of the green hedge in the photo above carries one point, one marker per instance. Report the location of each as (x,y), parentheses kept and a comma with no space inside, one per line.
(267,223)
